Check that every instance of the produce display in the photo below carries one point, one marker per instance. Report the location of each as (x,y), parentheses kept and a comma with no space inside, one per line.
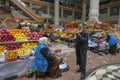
(29,45)
(20,37)
(24,40)
(4,31)
(18,31)
(13,46)
(17,43)
(26,31)
(23,51)
(2,48)
(34,36)
(11,56)
(5,36)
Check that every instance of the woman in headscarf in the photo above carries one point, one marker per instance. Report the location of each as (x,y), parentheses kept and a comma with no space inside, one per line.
(44,60)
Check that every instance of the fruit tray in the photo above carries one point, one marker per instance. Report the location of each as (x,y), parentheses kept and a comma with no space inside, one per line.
(12,59)
(24,57)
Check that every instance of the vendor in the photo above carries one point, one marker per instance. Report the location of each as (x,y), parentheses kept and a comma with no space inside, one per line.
(103,47)
(52,37)
(112,41)
(27,26)
(45,61)
(45,35)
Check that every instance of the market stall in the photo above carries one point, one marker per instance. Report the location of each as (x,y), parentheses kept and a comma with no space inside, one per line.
(17,49)
(15,68)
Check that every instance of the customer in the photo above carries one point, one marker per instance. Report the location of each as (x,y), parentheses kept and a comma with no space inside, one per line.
(45,35)
(81,46)
(103,47)
(112,41)
(45,61)
(52,37)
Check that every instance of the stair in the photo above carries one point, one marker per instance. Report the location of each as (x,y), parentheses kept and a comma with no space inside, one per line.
(26,10)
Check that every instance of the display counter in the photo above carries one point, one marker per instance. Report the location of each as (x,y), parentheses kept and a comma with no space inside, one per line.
(15,68)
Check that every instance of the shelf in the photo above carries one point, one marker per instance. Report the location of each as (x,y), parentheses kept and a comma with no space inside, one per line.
(13,42)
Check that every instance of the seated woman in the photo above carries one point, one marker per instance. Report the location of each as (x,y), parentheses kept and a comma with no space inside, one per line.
(45,61)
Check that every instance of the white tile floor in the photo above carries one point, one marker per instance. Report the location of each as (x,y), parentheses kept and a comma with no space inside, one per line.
(110,72)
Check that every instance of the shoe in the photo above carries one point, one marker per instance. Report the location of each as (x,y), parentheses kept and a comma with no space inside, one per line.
(113,54)
(60,75)
(82,76)
(78,70)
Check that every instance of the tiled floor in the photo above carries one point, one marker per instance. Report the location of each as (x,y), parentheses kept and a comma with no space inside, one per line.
(108,72)
(93,61)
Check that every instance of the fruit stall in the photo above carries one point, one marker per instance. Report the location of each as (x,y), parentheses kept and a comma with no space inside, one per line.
(17,46)
(17,49)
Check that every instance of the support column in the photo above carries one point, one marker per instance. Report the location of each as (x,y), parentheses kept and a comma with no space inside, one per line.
(108,13)
(30,5)
(84,11)
(73,13)
(56,13)
(48,12)
(119,16)
(62,12)
(48,9)
(94,9)
(7,2)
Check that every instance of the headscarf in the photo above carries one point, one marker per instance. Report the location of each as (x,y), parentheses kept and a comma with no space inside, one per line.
(43,40)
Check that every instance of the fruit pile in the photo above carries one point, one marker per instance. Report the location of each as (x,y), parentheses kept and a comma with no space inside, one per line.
(20,37)
(5,36)
(20,49)
(34,36)
(19,31)
(2,48)
(29,45)
(11,55)
(26,31)
(5,31)
(15,31)
(23,51)
(13,46)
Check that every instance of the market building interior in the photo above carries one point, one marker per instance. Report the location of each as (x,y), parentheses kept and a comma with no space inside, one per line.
(23,22)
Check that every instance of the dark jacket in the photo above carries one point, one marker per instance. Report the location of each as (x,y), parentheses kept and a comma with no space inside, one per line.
(49,56)
(81,46)
(81,40)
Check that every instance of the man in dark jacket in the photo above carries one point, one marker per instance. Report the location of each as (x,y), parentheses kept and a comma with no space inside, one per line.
(81,47)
